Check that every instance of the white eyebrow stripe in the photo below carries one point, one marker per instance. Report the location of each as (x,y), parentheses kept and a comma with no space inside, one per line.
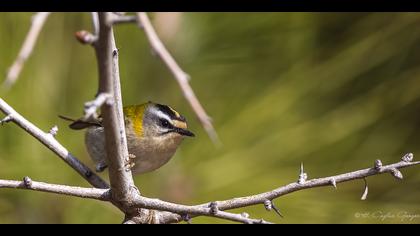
(162,115)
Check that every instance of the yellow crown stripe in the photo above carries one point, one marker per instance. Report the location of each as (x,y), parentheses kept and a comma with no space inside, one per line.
(176,113)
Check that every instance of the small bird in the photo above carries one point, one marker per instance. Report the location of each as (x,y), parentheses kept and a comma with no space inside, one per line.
(154,132)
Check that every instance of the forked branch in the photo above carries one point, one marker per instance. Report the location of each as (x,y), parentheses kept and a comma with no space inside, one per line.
(171,212)
(50,142)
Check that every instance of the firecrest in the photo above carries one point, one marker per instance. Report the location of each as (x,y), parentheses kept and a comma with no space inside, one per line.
(154,132)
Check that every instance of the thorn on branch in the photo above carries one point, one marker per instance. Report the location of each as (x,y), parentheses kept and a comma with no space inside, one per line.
(397,174)
(302,176)
(6,119)
(85,37)
(269,205)
(408,157)
(277,210)
(53,131)
(378,165)
(365,192)
(333,183)
(27,182)
(213,208)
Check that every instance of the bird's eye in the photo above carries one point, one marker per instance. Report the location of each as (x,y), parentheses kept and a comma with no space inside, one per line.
(164,123)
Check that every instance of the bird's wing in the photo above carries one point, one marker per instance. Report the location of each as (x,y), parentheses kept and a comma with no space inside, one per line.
(81,124)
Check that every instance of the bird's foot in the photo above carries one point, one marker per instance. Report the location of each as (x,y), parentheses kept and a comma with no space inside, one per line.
(130,163)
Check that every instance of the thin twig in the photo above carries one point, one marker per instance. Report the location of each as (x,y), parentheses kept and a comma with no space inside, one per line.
(37,23)
(180,76)
(123,19)
(95,23)
(93,193)
(85,37)
(92,106)
(50,142)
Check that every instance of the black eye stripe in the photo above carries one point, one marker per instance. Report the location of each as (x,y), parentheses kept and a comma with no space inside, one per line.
(165,123)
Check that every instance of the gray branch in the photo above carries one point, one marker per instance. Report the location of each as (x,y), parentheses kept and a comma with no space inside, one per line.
(95,23)
(180,76)
(50,142)
(123,19)
(37,23)
(290,188)
(122,184)
(104,195)
(92,106)
(27,183)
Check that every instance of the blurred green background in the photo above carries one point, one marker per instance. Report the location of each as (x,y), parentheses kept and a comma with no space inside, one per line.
(333,90)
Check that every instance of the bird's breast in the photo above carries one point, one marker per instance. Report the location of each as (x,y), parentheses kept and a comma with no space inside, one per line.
(152,153)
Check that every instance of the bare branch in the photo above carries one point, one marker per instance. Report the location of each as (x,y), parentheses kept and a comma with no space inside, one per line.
(27,183)
(37,23)
(92,106)
(50,142)
(6,119)
(95,23)
(85,37)
(201,210)
(313,183)
(290,188)
(123,19)
(180,76)
(121,180)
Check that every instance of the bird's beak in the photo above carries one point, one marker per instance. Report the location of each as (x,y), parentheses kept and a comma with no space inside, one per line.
(184,132)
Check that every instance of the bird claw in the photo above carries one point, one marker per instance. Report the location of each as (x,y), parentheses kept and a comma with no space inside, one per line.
(130,162)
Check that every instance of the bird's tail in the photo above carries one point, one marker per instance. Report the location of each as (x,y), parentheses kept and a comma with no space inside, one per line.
(67,118)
